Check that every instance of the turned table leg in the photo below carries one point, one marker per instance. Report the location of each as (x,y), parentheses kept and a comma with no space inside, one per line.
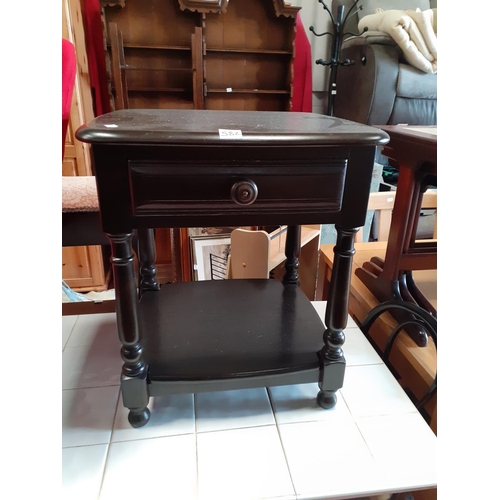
(331,356)
(147,259)
(292,253)
(134,371)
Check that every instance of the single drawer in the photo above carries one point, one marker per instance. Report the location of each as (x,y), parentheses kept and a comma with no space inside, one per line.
(206,189)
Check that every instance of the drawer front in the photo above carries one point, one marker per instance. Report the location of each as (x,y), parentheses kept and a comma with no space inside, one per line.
(191,188)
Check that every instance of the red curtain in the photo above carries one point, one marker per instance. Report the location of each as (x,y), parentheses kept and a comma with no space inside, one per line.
(68,84)
(302,71)
(94,40)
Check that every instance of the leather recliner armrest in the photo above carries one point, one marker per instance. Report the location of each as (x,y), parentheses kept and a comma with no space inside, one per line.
(366,90)
(369,37)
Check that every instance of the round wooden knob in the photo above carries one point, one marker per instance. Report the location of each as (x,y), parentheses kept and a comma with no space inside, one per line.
(244,192)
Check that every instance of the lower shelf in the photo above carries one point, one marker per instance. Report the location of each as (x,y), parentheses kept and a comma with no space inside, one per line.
(215,330)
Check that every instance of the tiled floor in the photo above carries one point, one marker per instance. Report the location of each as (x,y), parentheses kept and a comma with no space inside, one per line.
(253,444)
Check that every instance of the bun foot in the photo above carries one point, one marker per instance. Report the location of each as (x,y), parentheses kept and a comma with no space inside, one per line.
(139,418)
(326,399)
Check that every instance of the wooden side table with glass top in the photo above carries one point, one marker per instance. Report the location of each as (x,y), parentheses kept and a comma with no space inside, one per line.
(193,168)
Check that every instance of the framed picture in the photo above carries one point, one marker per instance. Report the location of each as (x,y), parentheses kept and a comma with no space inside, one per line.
(209,255)
(201,231)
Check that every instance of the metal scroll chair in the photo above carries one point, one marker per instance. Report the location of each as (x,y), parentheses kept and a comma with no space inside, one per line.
(416,317)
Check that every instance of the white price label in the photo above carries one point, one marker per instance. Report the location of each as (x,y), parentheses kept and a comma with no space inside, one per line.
(230,134)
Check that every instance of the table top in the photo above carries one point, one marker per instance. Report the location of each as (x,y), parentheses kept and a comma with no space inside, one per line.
(414,147)
(210,127)
(426,133)
(428,130)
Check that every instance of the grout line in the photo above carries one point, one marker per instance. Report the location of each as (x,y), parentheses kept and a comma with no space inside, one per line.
(268,391)
(83,446)
(366,364)
(364,440)
(286,460)
(151,438)
(90,387)
(104,469)
(70,333)
(109,444)
(114,417)
(236,428)
(196,443)
(281,441)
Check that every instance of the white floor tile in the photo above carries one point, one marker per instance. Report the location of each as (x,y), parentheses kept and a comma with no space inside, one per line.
(92,328)
(406,457)
(82,471)
(170,415)
(161,468)
(68,322)
(95,365)
(297,403)
(358,350)
(320,306)
(329,460)
(87,415)
(242,464)
(372,390)
(234,449)
(221,410)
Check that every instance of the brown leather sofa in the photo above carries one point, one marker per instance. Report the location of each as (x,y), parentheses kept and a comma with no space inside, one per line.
(381,87)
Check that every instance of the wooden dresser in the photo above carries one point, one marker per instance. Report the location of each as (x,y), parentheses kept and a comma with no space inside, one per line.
(187,54)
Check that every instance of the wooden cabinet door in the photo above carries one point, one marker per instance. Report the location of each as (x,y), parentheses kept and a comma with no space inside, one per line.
(82,267)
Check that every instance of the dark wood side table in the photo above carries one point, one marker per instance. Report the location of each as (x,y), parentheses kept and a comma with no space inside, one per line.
(413,151)
(177,168)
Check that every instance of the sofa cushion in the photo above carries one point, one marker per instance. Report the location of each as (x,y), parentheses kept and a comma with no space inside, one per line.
(414,84)
(414,112)
(370,6)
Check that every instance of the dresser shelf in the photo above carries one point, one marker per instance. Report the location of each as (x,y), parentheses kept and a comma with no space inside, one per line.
(250,51)
(153,47)
(160,89)
(248,91)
